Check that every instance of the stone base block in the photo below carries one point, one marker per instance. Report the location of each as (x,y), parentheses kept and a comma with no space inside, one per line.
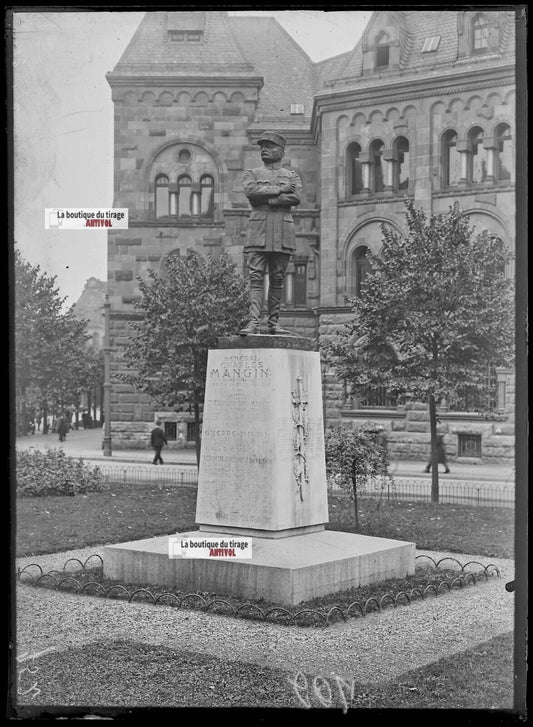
(285,571)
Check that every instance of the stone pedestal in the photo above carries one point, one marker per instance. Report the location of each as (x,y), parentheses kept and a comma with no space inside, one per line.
(262,468)
(262,475)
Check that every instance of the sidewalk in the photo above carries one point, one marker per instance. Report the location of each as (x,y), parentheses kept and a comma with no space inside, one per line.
(87,444)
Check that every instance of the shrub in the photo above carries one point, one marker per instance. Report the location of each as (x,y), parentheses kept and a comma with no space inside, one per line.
(53,473)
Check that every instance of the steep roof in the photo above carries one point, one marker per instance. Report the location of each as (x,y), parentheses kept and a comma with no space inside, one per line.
(414,28)
(287,70)
(260,47)
(152,51)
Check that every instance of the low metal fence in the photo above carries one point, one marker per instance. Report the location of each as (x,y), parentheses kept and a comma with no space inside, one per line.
(160,474)
(458,492)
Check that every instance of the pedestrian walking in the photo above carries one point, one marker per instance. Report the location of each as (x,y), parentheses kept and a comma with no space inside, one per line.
(157,440)
(441,455)
(62,428)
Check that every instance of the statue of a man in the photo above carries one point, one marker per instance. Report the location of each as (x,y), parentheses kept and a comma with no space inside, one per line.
(271,190)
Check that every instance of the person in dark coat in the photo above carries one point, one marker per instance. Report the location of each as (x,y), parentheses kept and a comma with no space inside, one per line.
(157,440)
(270,240)
(62,428)
(441,455)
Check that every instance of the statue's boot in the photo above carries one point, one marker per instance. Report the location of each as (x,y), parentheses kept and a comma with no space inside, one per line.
(256,306)
(274,305)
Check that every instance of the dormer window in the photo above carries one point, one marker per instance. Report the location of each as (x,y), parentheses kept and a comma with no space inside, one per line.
(431,44)
(382,50)
(480,34)
(181,36)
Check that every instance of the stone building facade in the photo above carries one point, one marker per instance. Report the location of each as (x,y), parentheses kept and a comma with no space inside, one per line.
(422,107)
(90,308)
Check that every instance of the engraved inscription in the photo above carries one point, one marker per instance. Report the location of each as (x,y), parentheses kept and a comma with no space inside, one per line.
(300,403)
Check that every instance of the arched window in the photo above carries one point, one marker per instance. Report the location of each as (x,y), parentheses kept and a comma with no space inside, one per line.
(401,145)
(480,34)
(207,189)
(451,159)
(478,156)
(504,153)
(354,177)
(382,50)
(184,196)
(376,181)
(161,196)
(360,269)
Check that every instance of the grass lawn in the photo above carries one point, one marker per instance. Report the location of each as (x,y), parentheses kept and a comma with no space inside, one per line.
(130,674)
(132,512)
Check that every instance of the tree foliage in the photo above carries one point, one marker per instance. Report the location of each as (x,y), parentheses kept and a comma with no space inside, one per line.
(184,310)
(354,459)
(439,298)
(50,344)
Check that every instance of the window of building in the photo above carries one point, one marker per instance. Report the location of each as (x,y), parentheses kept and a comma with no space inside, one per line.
(354,175)
(360,269)
(382,50)
(161,196)
(171,431)
(189,197)
(295,288)
(191,431)
(379,357)
(469,445)
(379,397)
(300,284)
(184,196)
(184,156)
(180,36)
(504,161)
(376,167)
(401,146)
(480,34)
(468,398)
(296,108)
(477,157)
(207,189)
(451,159)
(431,44)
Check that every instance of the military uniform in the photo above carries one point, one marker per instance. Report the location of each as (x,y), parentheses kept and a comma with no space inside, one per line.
(270,239)
(270,225)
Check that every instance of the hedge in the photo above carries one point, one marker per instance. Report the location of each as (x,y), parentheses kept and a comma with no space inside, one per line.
(53,473)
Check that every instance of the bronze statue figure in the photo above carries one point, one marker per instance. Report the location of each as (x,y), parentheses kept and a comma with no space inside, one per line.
(271,190)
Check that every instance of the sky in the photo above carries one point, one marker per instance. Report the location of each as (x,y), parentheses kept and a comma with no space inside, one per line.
(63,122)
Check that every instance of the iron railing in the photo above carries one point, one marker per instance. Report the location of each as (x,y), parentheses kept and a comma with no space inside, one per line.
(460,492)
(150,474)
(456,492)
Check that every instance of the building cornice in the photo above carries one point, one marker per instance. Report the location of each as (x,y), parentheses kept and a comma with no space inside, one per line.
(178,81)
(409,88)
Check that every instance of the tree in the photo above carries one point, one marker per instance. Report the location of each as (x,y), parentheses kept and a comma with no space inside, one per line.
(439,301)
(185,309)
(354,459)
(49,344)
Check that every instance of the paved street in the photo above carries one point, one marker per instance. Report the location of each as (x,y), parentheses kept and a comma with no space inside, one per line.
(88,445)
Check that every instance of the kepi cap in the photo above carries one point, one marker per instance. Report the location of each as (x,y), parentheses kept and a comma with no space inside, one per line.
(273,137)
